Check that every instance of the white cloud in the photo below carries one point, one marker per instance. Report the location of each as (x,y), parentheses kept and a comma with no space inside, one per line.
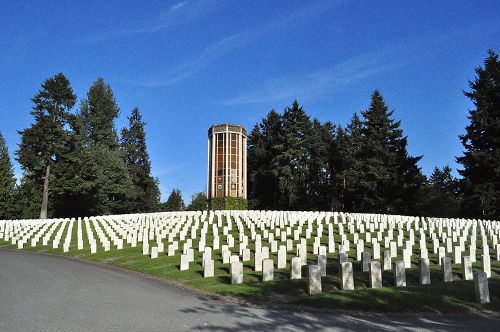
(219,48)
(179,13)
(316,83)
(177,6)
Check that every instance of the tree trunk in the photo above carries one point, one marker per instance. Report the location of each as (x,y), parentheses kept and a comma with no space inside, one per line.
(45,198)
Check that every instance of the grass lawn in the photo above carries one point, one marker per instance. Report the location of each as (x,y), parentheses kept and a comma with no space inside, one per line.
(456,296)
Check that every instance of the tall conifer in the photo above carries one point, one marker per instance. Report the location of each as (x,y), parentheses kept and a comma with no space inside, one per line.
(390,177)
(43,144)
(112,191)
(7,182)
(133,142)
(481,141)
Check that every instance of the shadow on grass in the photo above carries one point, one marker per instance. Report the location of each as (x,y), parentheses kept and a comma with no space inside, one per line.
(267,319)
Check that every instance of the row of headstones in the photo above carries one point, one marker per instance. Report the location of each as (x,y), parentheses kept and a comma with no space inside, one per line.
(260,256)
(315,272)
(94,245)
(119,243)
(281,263)
(407,253)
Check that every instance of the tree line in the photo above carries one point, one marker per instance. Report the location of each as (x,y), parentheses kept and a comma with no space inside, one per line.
(299,163)
(75,163)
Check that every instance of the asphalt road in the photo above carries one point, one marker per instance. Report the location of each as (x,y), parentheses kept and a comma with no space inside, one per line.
(48,293)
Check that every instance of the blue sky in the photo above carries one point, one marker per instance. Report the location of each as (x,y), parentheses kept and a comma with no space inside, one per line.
(189,64)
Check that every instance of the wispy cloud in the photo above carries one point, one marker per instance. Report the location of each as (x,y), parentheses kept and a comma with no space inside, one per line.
(316,83)
(179,13)
(177,6)
(191,66)
(219,48)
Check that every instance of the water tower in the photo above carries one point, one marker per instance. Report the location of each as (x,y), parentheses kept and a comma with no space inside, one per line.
(227,163)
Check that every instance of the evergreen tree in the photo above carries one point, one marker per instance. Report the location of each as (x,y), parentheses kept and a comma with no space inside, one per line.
(108,186)
(199,202)
(99,111)
(391,178)
(133,142)
(346,166)
(291,164)
(27,198)
(481,141)
(174,202)
(263,147)
(78,177)
(441,194)
(43,144)
(7,182)
(319,166)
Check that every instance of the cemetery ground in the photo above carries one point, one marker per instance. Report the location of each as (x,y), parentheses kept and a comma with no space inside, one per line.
(438,297)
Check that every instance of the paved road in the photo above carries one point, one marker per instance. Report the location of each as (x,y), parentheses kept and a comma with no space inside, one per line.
(48,293)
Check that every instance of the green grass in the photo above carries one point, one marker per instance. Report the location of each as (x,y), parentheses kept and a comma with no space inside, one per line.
(457,296)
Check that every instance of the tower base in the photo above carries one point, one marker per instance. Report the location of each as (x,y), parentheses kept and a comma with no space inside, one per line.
(228,203)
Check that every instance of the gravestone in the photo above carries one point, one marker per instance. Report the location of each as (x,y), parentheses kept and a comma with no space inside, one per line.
(296,268)
(457,255)
(314,279)
(387,260)
(366,259)
(407,258)
(322,264)
(184,262)
(399,274)
(267,270)
(236,271)
(208,268)
(154,252)
(375,274)
(343,258)
(376,250)
(447,271)
(258,262)
(486,265)
(246,255)
(425,273)
(467,268)
(234,258)
(346,276)
(441,253)
(481,287)
(282,257)
(226,254)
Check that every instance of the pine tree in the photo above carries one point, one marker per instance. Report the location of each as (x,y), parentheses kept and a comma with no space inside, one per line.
(7,182)
(481,141)
(43,144)
(78,177)
(27,198)
(290,165)
(174,202)
(133,142)
(346,166)
(263,147)
(109,188)
(199,202)
(441,197)
(391,178)
(319,166)
(99,111)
